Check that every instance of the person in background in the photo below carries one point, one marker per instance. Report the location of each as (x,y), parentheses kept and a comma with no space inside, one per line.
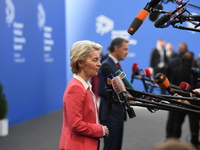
(170,54)
(81,129)
(118,51)
(176,62)
(179,70)
(158,59)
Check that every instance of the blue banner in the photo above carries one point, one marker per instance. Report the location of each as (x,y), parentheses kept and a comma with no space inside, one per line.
(32,57)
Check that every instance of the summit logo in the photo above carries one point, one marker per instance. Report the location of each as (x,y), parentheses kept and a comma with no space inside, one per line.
(10,12)
(41,16)
(104,25)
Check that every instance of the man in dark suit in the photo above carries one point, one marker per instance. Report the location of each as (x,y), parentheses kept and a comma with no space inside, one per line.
(158,59)
(170,52)
(118,51)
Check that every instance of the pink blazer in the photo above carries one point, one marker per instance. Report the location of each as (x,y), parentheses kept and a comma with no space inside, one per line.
(79,129)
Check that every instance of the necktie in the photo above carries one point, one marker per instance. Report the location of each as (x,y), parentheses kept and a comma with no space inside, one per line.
(119,67)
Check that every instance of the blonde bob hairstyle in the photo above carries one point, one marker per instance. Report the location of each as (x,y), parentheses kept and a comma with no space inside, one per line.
(80,51)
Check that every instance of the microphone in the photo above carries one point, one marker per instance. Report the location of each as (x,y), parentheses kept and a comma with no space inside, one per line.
(141,16)
(164,21)
(122,76)
(187,88)
(148,72)
(119,88)
(107,77)
(163,82)
(142,73)
(118,85)
(153,16)
(134,71)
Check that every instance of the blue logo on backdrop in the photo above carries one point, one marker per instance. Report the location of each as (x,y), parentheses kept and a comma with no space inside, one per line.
(10,12)
(105,25)
(48,41)
(18,39)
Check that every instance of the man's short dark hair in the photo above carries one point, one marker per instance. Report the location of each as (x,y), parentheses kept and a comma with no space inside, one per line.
(116,42)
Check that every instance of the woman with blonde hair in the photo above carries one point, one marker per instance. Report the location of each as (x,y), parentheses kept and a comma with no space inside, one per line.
(81,129)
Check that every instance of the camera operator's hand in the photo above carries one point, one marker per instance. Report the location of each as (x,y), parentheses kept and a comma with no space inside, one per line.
(196,93)
(181,100)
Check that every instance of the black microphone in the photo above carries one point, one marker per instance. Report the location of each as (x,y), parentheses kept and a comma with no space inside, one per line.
(141,16)
(107,77)
(164,21)
(153,16)
(161,22)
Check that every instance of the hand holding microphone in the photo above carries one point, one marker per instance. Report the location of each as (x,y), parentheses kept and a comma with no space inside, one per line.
(195,93)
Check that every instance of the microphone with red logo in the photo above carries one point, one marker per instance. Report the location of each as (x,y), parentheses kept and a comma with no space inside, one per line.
(149,72)
(187,88)
(119,88)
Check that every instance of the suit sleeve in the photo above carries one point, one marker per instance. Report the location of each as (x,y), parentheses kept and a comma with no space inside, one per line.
(74,106)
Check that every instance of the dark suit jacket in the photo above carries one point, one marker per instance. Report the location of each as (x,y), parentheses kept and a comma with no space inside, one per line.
(155,60)
(117,112)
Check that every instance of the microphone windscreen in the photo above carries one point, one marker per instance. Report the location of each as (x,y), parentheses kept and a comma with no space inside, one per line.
(135,67)
(106,71)
(185,86)
(137,22)
(153,16)
(148,72)
(162,80)
(118,85)
(154,3)
(162,20)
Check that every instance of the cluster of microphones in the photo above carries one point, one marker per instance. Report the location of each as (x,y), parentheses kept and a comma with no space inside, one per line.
(170,18)
(120,90)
